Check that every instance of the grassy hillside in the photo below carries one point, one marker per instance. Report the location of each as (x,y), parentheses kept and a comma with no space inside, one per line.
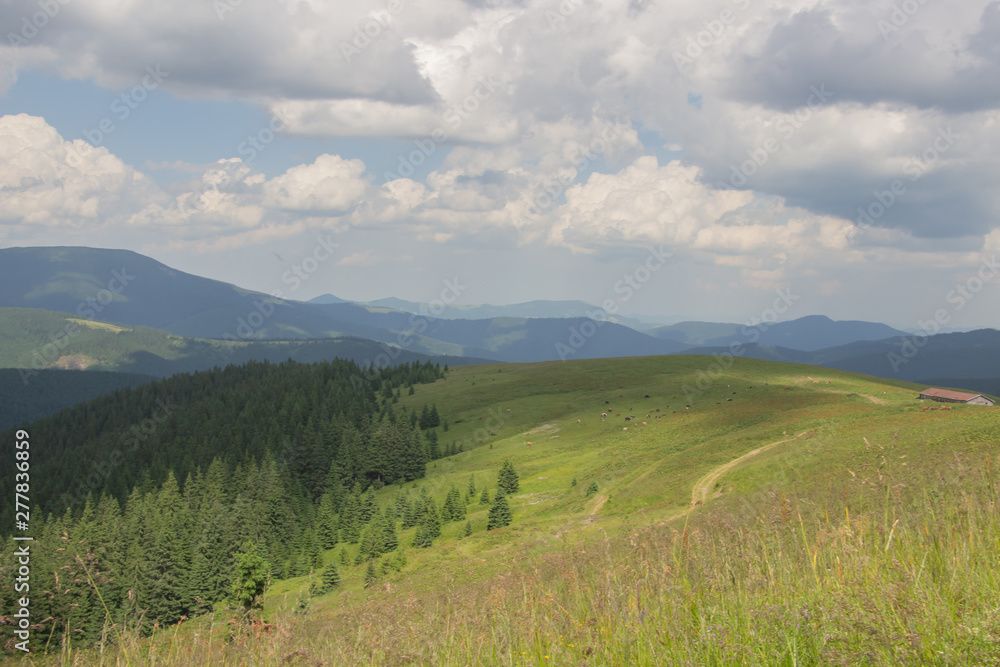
(790,515)
(36,339)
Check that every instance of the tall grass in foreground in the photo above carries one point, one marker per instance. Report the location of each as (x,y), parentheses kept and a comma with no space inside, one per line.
(911,579)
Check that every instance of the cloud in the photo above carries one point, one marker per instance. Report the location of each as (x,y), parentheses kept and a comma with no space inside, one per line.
(46,181)
(890,56)
(364,258)
(330,183)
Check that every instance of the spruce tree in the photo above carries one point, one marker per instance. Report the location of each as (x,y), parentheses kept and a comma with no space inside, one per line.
(330,580)
(500,514)
(433,449)
(471,491)
(421,538)
(507,478)
(468,529)
(371,574)
(326,522)
(390,541)
(350,522)
(369,506)
(450,509)
(484,497)
(432,520)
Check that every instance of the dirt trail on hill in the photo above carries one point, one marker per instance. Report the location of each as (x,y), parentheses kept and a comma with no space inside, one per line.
(601,499)
(699,494)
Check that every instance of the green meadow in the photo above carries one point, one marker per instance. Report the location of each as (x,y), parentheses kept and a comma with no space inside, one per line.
(760,514)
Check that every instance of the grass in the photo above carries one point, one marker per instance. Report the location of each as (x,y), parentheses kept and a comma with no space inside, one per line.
(871,538)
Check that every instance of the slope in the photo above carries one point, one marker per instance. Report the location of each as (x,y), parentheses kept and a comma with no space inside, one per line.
(805,549)
(37,339)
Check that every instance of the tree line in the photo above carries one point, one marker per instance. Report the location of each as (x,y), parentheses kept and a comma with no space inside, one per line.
(285,457)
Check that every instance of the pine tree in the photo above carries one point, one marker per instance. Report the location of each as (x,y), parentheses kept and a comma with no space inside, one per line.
(369,506)
(390,541)
(168,589)
(500,514)
(507,478)
(330,580)
(312,551)
(433,418)
(422,538)
(468,529)
(484,497)
(471,491)
(433,449)
(449,509)
(350,522)
(432,520)
(454,509)
(371,574)
(326,522)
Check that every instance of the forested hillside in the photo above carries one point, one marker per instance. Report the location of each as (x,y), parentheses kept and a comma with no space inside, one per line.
(51,390)
(147,494)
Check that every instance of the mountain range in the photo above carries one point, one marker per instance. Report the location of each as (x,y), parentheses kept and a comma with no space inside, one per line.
(131,313)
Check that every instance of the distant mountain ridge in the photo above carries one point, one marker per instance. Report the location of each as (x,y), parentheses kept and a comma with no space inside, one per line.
(541,309)
(128,288)
(968,360)
(124,287)
(809,333)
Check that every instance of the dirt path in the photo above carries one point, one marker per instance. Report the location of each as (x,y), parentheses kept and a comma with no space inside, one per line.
(601,499)
(699,494)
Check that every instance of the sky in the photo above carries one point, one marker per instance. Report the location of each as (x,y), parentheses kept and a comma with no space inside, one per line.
(722,156)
